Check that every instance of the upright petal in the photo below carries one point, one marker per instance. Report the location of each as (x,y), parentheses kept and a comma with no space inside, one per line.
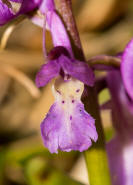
(58,31)
(47,72)
(127,68)
(77,69)
(47,5)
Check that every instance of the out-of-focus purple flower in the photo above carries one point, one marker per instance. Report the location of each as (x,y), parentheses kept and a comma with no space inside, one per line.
(7,11)
(120,149)
(67,126)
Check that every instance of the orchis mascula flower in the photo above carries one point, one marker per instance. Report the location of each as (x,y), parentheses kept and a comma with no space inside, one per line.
(120,149)
(67,126)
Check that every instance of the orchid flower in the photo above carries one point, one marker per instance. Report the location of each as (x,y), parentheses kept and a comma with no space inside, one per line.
(67,126)
(120,148)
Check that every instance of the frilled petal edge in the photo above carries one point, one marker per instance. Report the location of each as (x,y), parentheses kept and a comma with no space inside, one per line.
(66,132)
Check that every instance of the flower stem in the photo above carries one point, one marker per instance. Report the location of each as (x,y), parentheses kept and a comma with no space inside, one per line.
(112,61)
(96,158)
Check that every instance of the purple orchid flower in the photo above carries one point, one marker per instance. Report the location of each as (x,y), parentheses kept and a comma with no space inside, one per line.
(67,126)
(120,148)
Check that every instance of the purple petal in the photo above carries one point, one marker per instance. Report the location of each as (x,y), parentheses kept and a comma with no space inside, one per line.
(120,149)
(122,106)
(6,13)
(16,1)
(47,72)
(116,161)
(77,69)
(66,130)
(28,5)
(46,5)
(127,68)
(120,156)
(58,31)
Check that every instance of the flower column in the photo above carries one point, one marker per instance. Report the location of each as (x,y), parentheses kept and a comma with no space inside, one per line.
(96,158)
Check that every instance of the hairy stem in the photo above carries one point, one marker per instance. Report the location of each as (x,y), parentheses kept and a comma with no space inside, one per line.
(96,158)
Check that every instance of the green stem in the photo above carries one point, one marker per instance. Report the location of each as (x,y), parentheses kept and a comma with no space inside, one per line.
(96,158)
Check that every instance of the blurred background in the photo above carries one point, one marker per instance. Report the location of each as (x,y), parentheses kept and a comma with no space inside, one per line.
(105,27)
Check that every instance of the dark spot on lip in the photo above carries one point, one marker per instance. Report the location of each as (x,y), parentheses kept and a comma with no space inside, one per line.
(72,101)
(63,101)
(77,90)
(70,117)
